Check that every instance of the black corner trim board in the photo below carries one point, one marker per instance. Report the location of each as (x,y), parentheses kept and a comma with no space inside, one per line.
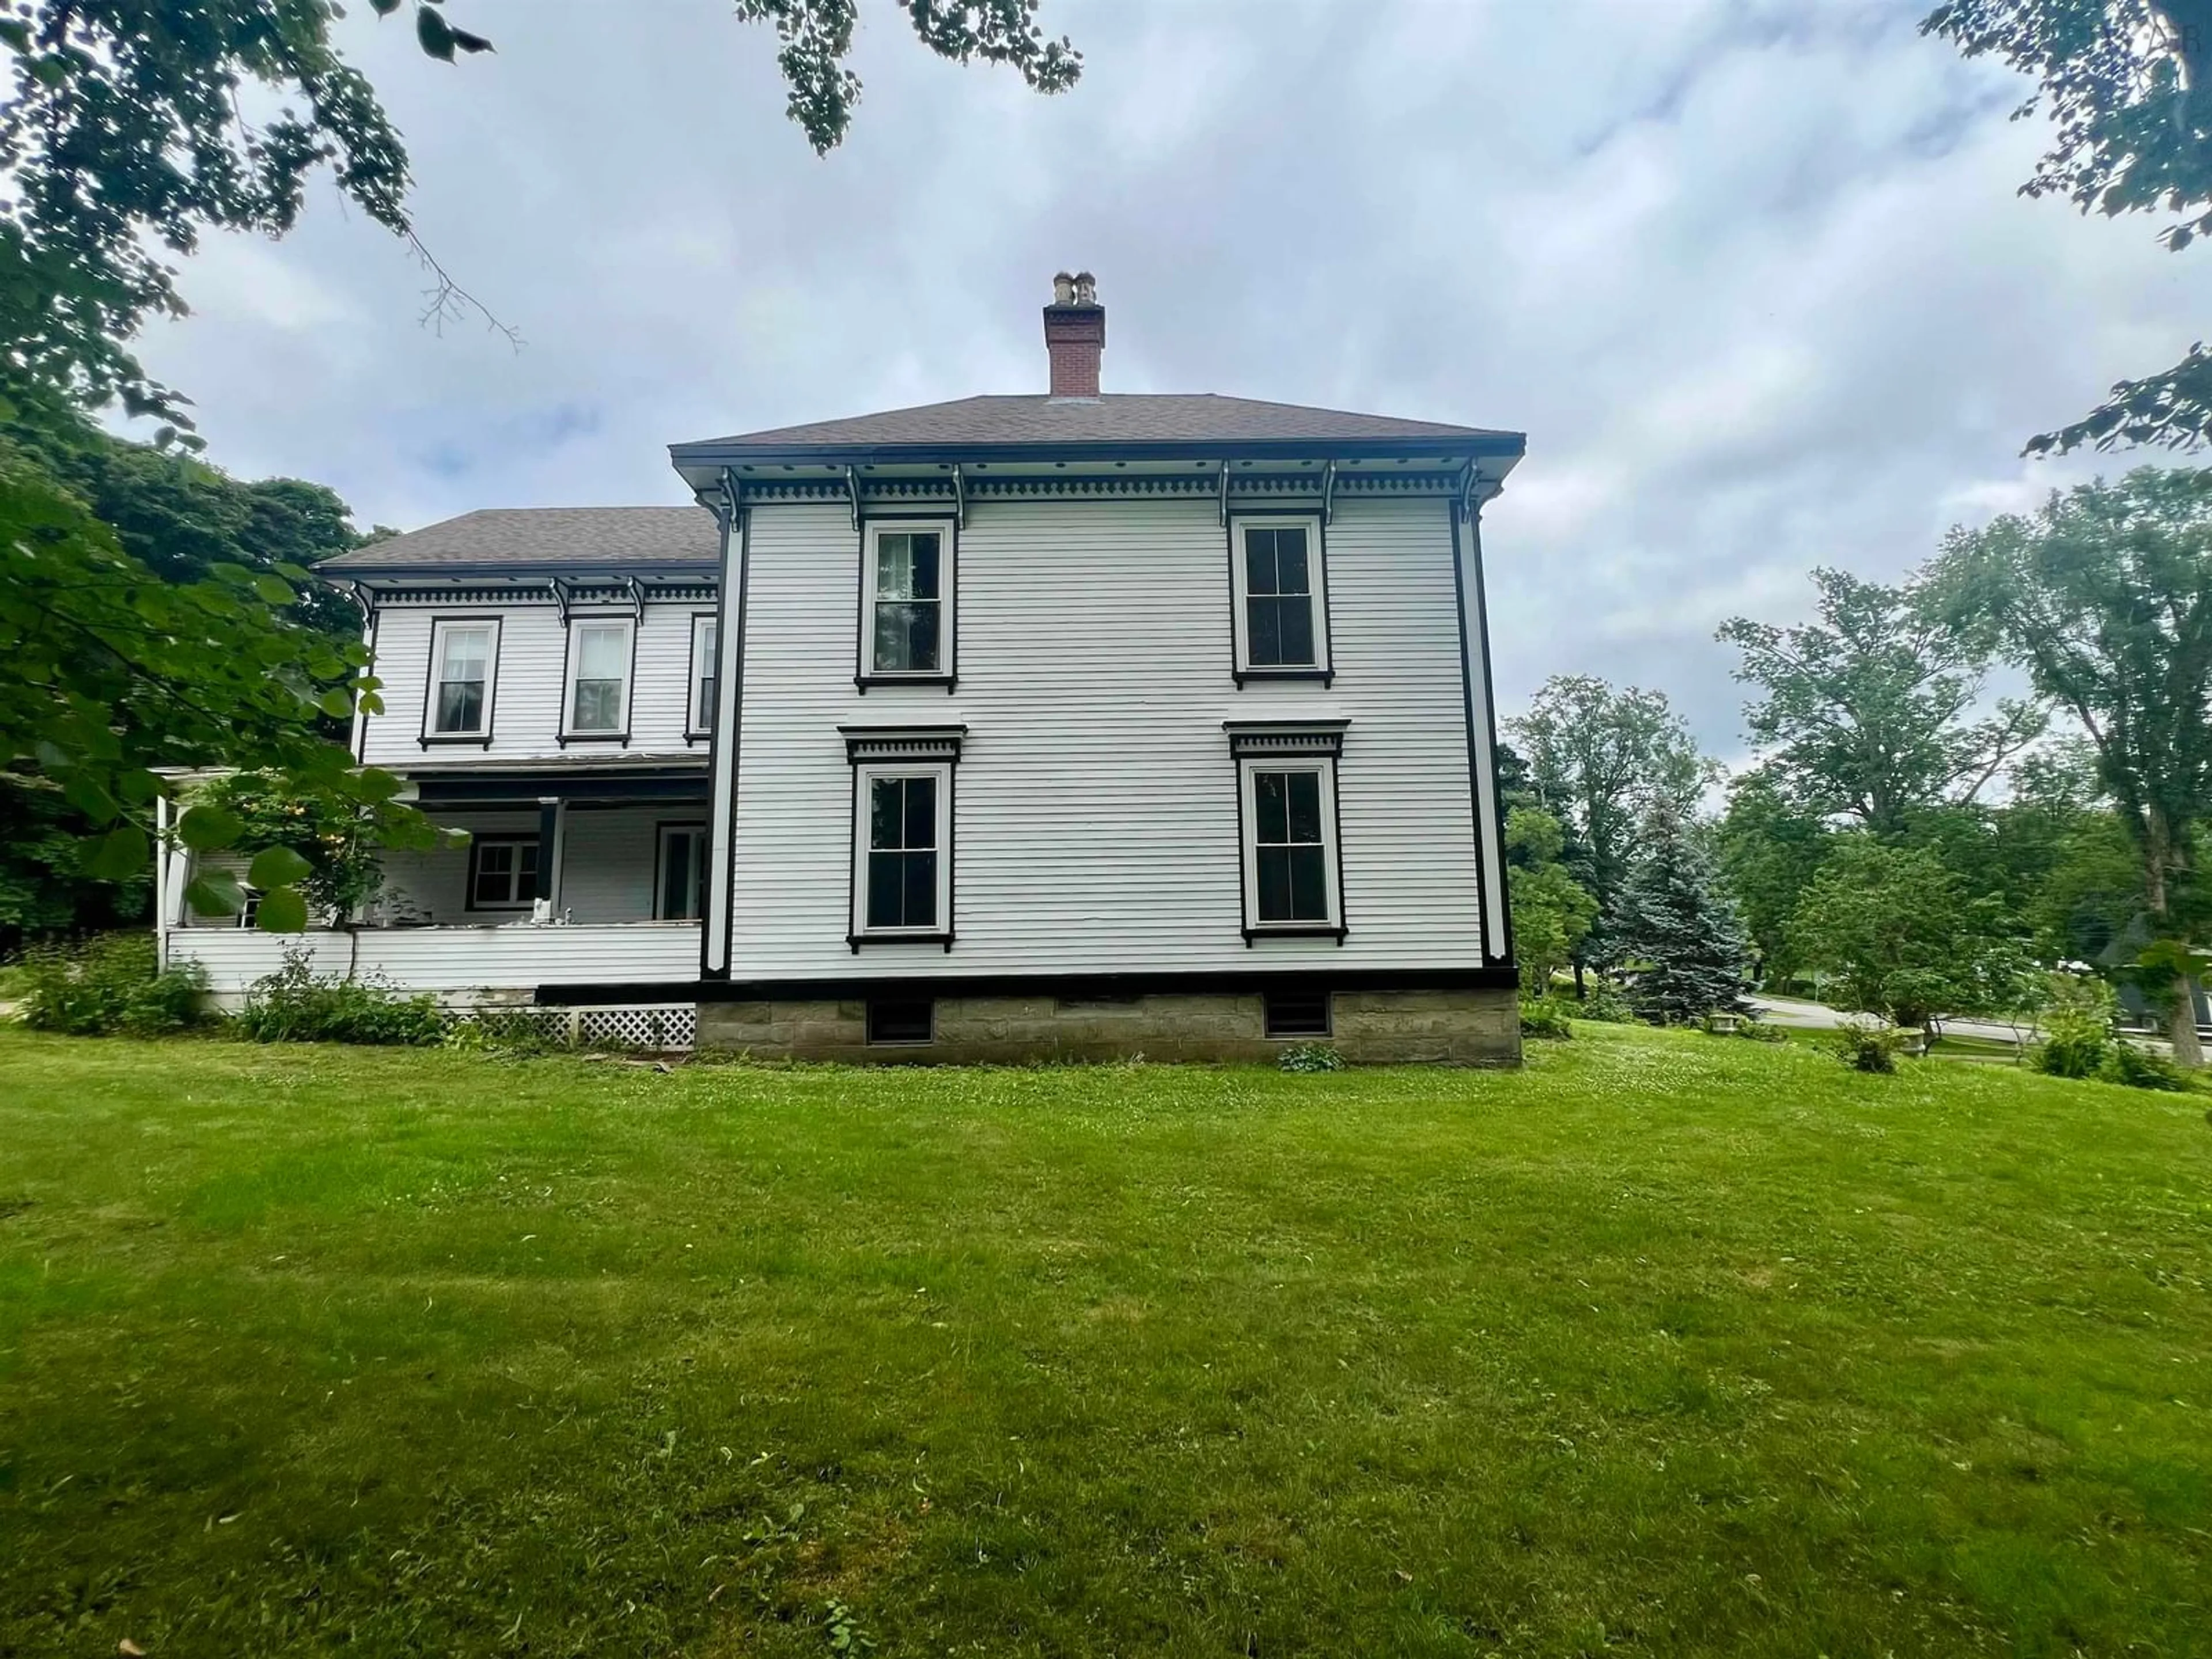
(1257,980)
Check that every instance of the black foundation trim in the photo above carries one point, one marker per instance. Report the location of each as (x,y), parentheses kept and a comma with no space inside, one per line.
(1060,986)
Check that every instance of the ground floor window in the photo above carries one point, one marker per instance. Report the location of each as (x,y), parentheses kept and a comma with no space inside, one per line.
(1296,1013)
(903,1021)
(680,888)
(503,873)
(902,851)
(1290,845)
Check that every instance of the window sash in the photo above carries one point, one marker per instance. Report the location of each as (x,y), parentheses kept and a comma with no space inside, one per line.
(598,680)
(1290,850)
(503,873)
(1281,597)
(461,695)
(908,569)
(703,633)
(901,833)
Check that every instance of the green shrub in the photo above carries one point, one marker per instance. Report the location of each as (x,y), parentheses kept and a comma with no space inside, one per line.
(107,986)
(2077,1027)
(296,1005)
(1311,1057)
(1869,1048)
(1603,1001)
(1546,1017)
(2139,1068)
(1754,1029)
(510,1031)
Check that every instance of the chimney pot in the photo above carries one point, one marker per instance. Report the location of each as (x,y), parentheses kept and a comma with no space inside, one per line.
(1074,334)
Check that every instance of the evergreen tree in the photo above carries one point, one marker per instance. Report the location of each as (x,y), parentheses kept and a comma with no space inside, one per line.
(1680,928)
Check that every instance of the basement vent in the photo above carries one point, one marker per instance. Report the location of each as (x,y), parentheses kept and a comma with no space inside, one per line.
(1297,1013)
(913,1021)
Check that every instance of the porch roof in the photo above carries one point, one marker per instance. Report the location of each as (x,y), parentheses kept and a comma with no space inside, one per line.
(528,781)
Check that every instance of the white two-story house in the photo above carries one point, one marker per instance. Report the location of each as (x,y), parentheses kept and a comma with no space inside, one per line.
(1072,724)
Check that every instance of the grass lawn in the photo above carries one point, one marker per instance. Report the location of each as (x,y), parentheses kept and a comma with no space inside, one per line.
(1669,1345)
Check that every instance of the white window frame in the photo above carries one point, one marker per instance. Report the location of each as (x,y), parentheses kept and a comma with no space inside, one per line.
(441,629)
(946,531)
(865,775)
(619,731)
(1317,577)
(706,626)
(1248,770)
(522,900)
(663,835)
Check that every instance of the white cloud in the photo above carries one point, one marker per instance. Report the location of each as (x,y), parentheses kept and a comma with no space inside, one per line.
(1753,277)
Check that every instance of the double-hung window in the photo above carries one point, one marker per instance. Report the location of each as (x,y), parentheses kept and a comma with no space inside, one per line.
(1282,601)
(906,601)
(503,873)
(599,677)
(901,832)
(463,664)
(1286,783)
(701,719)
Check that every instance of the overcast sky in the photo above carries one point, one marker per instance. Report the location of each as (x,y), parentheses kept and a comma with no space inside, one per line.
(1753,279)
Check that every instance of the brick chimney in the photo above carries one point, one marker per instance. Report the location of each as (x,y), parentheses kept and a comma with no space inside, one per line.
(1074,334)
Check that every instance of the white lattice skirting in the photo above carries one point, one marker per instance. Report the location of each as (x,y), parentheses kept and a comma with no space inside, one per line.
(659,1029)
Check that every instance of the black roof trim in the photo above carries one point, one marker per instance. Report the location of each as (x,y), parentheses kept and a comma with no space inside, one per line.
(719,453)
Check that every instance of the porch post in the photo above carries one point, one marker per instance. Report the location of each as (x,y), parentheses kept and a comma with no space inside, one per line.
(548,846)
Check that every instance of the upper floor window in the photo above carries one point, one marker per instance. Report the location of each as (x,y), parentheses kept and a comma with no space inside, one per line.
(1282,603)
(464,662)
(702,718)
(599,677)
(906,595)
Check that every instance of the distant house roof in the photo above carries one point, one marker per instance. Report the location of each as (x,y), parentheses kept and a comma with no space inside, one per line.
(584,539)
(1115,418)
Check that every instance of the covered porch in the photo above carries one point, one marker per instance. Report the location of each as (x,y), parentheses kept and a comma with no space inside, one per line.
(585,873)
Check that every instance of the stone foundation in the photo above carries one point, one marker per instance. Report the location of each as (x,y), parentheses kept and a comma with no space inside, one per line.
(1468,1027)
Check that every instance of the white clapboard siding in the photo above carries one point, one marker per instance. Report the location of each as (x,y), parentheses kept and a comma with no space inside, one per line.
(527,692)
(1097,824)
(453,962)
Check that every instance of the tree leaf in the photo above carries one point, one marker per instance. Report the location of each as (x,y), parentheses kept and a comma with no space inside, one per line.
(468,42)
(215,893)
(337,702)
(87,794)
(281,910)
(122,853)
(206,829)
(278,866)
(274,589)
(384,8)
(434,33)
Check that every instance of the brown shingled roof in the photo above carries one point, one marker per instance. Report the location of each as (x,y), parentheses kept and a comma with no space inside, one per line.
(1117,417)
(592,537)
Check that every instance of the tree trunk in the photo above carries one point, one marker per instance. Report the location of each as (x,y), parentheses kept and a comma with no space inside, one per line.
(1582,992)
(2181,1023)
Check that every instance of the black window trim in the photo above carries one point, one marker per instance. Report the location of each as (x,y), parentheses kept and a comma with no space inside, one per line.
(1324,672)
(502,838)
(692,731)
(918,746)
(428,738)
(562,735)
(864,671)
(1318,740)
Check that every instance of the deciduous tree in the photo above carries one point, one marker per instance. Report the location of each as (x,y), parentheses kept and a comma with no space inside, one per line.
(2105,597)
(1600,759)
(2128,86)
(1868,712)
